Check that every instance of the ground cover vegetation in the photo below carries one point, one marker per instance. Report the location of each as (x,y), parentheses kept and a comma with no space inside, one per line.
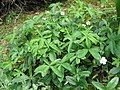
(73,48)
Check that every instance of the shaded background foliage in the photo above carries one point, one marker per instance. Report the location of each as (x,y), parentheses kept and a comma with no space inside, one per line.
(23,5)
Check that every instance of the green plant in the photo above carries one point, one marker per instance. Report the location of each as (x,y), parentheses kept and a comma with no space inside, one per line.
(118,9)
(110,86)
(104,1)
(60,49)
(118,14)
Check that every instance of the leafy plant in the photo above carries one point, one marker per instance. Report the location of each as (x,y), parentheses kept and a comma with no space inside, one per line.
(118,9)
(61,49)
(110,86)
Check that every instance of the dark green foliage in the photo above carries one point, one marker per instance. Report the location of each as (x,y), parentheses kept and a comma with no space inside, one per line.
(118,9)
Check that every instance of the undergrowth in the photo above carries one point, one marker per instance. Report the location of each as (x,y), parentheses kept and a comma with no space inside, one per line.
(63,49)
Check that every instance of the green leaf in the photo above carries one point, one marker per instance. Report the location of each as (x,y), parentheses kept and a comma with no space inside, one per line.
(67,66)
(81,53)
(1,73)
(82,39)
(7,65)
(88,43)
(36,19)
(85,73)
(43,69)
(71,80)
(117,50)
(67,57)
(111,46)
(70,46)
(52,45)
(60,79)
(35,87)
(41,44)
(57,71)
(90,10)
(94,40)
(52,56)
(53,62)
(77,60)
(20,79)
(72,58)
(103,1)
(98,85)
(113,83)
(95,53)
(116,62)
(60,68)
(114,70)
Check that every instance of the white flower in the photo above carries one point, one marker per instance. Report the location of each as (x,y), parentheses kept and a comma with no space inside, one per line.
(103,60)
(102,6)
(37,13)
(47,12)
(44,18)
(39,26)
(88,23)
(83,25)
(62,13)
